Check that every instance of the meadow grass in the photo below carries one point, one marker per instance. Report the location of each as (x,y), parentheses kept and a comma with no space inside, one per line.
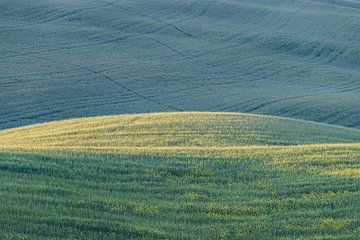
(179,190)
(268,193)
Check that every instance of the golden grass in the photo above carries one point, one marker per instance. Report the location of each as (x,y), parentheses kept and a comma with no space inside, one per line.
(221,135)
(172,131)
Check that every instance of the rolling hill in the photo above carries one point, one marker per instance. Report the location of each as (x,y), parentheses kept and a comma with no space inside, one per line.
(180,176)
(78,58)
(163,130)
(189,156)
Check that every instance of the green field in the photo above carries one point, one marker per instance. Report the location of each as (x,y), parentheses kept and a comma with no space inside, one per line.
(179,119)
(180,176)
(78,58)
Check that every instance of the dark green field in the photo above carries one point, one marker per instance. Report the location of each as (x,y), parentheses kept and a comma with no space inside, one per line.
(76,58)
(198,194)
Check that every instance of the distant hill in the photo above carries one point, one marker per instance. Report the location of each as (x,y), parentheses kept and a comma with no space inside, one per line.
(64,59)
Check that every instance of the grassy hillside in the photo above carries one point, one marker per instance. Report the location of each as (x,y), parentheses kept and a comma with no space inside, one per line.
(173,130)
(62,59)
(217,181)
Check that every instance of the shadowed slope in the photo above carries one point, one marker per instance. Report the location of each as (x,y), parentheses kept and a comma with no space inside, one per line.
(66,59)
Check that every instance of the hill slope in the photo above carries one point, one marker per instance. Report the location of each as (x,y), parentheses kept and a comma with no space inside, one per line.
(173,130)
(180,176)
(62,59)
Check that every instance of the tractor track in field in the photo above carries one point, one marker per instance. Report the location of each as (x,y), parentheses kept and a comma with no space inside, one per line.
(167,24)
(113,81)
(62,15)
(336,3)
(177,51)
(200,14)
(262,105)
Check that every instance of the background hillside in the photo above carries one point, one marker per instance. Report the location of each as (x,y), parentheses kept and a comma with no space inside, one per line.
(75,58)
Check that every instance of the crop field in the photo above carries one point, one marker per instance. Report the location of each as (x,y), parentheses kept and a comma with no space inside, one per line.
(80,58)
(179,119)
(180,176)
